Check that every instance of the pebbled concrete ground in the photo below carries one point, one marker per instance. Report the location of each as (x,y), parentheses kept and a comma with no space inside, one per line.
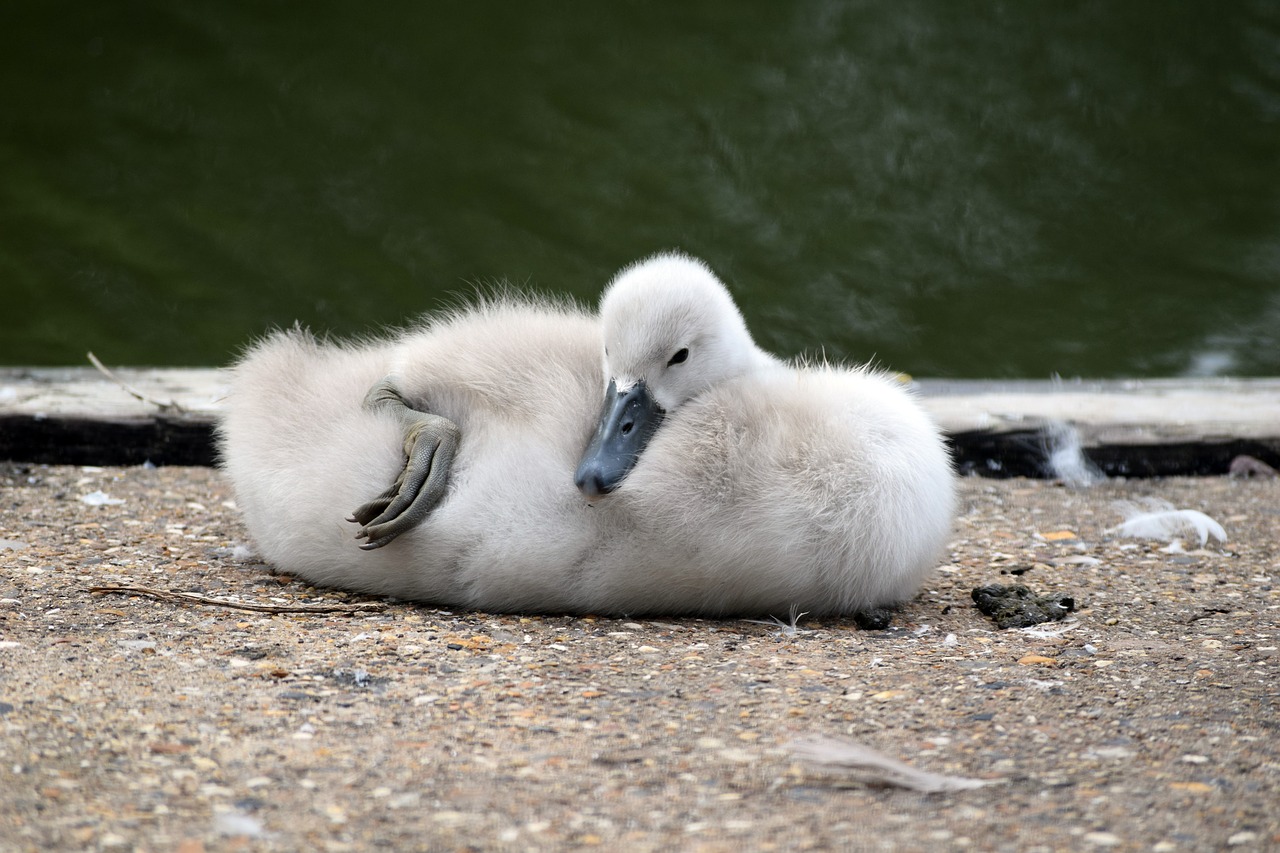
(1148,720)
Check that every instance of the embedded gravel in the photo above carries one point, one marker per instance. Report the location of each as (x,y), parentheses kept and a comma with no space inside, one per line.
(1148,719)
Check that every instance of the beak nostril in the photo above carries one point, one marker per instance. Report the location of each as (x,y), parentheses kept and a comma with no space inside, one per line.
(627,421)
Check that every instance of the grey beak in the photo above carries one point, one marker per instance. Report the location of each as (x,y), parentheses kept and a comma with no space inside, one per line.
(627,422)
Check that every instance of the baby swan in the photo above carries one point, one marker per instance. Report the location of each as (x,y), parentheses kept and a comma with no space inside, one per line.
(671,332)
(715,480)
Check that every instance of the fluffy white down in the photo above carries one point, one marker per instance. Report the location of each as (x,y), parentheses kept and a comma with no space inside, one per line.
(774,486)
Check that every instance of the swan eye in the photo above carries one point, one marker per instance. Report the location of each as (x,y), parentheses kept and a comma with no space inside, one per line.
(680,356)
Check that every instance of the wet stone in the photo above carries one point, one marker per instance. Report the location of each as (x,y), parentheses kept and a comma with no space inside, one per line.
(1016,606)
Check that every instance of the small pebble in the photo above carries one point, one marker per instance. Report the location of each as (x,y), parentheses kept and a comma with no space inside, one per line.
(1102,839)
(231,824)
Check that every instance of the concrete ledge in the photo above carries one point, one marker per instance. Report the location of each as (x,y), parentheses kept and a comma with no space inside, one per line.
(1122,411)
(78,416)
(1132,428)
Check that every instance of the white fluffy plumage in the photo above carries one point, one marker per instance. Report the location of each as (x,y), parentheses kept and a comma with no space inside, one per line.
(768,486)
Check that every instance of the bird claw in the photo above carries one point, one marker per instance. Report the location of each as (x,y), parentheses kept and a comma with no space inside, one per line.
(430,443)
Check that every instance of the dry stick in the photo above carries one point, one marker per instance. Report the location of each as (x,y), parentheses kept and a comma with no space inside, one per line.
(170,406)
(192,598)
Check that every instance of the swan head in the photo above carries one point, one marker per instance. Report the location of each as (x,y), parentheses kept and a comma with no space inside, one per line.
(671,332)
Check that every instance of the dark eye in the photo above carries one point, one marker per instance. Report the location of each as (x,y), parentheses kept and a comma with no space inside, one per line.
(679,356)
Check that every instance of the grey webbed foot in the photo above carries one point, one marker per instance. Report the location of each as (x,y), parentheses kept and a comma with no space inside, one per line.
(430,443)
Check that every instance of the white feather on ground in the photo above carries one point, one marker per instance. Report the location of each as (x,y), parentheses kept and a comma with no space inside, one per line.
(875,768)
(1065,458)
(100,498)
(1157,519)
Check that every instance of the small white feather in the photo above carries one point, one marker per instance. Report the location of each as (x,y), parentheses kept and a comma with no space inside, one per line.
(100,498)
(787,629)
(1065,457)
(1159,520)
(876,768)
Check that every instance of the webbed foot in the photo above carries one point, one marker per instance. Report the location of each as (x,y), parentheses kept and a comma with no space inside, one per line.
(430,443)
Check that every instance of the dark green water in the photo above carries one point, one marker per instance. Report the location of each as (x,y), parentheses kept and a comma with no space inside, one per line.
(958,188)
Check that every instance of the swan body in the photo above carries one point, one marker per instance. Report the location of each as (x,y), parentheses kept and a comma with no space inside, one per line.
(758,486)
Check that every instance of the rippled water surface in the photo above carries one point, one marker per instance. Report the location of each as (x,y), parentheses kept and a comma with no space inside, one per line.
(958,189)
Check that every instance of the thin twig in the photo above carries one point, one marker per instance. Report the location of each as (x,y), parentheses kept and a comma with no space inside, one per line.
(170,406)
(192,598)
(1207,613)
